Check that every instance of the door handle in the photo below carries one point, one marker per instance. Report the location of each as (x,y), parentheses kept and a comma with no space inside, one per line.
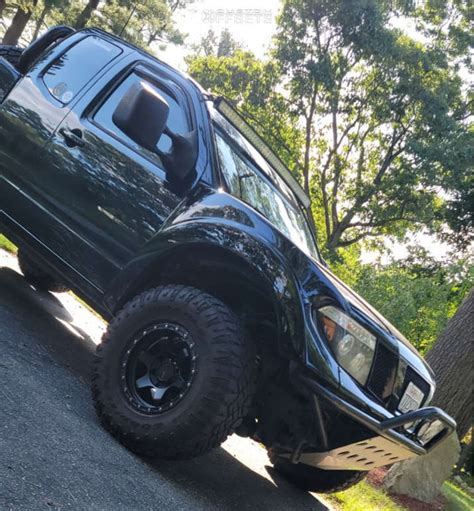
(72,137)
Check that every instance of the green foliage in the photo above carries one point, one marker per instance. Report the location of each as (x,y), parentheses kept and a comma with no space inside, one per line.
(417,296)
(7,245)
(364,497)
(383,114)
(223,46)
(457,498)
(252,85)
(146,22)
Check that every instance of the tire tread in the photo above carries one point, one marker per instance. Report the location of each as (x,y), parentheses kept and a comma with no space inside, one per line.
(222,407)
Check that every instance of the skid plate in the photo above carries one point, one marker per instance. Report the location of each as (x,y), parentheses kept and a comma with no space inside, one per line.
(366,455)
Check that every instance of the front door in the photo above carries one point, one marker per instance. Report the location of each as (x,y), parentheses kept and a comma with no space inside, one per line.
(117,192)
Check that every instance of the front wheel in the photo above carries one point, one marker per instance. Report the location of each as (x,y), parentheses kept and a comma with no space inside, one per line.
(314,479)
(174,374)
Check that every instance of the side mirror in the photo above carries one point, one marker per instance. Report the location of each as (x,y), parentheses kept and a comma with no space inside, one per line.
(142,115)
(181,160)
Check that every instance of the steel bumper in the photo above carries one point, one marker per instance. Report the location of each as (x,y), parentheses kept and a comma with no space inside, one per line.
(396,438)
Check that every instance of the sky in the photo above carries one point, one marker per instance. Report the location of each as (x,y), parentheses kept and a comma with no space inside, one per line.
(251,23)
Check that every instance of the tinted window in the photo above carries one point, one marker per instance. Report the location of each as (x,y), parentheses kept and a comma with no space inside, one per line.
(247,183)
(177,119)
(68,74)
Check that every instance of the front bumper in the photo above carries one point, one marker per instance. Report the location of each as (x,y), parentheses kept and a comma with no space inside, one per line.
(396,438)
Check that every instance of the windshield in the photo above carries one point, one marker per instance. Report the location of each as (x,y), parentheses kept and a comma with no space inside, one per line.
(250,178)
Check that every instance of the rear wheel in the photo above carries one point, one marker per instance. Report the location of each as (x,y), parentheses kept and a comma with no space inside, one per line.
(37,275)
(11,54)
(314,479)
(174,374)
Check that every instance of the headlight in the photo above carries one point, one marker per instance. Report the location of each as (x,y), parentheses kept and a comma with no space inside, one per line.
(352,345)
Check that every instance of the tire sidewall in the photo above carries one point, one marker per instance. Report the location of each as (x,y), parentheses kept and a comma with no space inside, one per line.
(124,335)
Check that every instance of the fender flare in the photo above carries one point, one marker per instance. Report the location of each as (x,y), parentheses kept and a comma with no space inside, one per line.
(235,244)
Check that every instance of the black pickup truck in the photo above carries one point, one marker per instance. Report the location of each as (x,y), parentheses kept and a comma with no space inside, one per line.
(156,203)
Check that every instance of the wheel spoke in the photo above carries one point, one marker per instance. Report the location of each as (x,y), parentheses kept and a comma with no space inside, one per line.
(157,393)
(144,382)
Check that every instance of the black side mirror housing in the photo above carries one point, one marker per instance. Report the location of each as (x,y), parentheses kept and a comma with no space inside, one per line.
(181,159)
(142,115)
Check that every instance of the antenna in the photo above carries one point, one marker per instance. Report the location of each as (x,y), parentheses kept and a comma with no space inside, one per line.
(132,12)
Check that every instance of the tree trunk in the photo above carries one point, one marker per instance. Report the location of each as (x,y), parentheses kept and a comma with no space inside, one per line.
(465,460)
(18,24)
(86,14)
(452,361)
(40,21)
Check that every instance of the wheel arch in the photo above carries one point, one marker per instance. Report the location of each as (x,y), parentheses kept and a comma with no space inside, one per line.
(241,268)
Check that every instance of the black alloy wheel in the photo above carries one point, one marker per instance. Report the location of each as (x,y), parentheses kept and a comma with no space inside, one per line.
(159,368)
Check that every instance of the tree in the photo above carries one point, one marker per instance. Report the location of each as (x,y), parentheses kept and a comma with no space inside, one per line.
(251,85)
(451,359)
(418,295)
(141,23)
(211,45)
(19,22)
(446,24)
(207,45)
(86,13)
(382,117)
(42,12)
(227,44)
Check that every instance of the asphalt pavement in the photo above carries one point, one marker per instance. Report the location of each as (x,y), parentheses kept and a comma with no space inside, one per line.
(55,455)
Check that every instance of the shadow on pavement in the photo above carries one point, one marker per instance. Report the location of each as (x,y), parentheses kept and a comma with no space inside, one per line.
(39,337)
(223,479)
(43,314)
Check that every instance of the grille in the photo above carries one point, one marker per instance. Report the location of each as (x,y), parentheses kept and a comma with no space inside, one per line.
(382,375)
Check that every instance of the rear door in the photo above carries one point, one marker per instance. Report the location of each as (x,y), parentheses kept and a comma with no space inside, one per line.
(117,193)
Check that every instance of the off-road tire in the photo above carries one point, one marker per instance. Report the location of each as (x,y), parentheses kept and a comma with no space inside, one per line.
(11,54)
(315,479)
(221,391)
(38,276)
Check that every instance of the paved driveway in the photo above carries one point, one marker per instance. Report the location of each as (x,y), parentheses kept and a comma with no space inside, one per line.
(54,454)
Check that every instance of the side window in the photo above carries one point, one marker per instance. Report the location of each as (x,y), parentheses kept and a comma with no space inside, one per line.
(249,185)
(70,72)
(177,120)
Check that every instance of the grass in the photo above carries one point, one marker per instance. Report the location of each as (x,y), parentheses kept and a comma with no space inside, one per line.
(6,244)
(364,497)
(458,499)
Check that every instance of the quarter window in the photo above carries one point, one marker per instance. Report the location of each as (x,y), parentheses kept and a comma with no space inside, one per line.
(247,183)
(70,72)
